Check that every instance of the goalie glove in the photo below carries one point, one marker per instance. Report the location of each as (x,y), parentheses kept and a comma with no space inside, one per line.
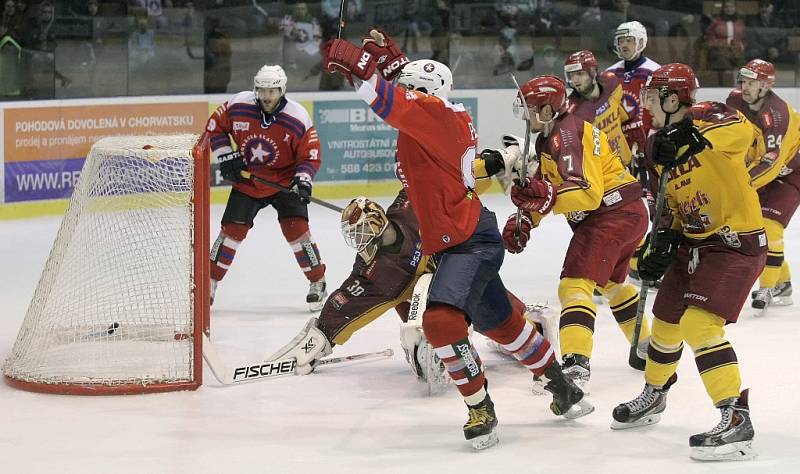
(390,59)
(674,144)
(231,166)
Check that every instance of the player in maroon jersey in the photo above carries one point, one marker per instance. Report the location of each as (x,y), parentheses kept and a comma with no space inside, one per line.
(271,136)
(436,148)
(772,174)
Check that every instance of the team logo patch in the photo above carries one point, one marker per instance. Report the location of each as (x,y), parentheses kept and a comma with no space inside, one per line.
(241,126)
(338,300)
(212,125)
(262,151)
(428,67)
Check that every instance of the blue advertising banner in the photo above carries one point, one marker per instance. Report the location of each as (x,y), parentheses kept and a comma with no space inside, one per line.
(43,179)
(356,143)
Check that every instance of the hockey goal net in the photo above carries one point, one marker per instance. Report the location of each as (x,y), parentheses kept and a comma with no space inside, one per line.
(123,297)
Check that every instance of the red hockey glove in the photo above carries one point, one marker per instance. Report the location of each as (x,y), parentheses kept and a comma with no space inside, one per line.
(346,58)
(537,195)
(516,243)
(390,58)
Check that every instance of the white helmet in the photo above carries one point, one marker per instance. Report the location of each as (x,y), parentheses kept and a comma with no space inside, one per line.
(270,77)
(631,28)
(428,76)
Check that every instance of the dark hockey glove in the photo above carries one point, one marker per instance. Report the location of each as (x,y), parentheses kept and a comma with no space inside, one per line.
(493,161)
(653,261)
(674,144)
(231,166)
(346,58)
(516,243)
(390,59)
(533,195)
(301,185)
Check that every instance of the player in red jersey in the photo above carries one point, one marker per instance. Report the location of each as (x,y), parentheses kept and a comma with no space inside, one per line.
(271,136)
(630,40)
(435,149)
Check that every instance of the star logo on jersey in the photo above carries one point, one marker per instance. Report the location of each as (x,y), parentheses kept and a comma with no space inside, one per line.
(262,150)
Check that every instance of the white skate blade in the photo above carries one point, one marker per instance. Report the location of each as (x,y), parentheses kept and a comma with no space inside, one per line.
(739,451)
(758,313)
(486,441)
(580,409)
(782,301)
(538,388)
(644,421)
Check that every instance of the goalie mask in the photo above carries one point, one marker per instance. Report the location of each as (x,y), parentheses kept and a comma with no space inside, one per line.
(363,221)
(427,75)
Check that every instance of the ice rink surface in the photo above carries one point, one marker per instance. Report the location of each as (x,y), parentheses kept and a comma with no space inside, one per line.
(375,417)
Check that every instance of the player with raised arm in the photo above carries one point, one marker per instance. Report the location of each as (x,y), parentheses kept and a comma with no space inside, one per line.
(710,249)
(597,99)
(581,177)
(435,149)
(772,174)
(271,136)
(386,274)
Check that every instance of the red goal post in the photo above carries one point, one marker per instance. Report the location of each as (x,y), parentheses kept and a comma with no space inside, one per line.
(124,296)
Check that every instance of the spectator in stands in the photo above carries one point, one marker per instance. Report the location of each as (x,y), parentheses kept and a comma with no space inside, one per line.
(217,66)
(141,43)
(301,37)
(724,40)
(39,40)
(765,36)
(440,33)
(10,22)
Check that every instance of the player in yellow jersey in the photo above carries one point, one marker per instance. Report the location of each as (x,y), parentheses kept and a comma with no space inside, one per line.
(773,175)
(581,177)
(710,248)
(597,99)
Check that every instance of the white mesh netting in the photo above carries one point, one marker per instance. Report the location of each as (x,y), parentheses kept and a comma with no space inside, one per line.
(114,304)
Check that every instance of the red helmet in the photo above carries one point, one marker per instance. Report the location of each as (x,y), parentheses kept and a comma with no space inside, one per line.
(759,70)
(580,61)
(675,77)
(545,90)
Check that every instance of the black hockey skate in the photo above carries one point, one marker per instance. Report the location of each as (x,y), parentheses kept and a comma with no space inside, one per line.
(568,398)
(643,410)
(480,429)
(576,368)
(731,439)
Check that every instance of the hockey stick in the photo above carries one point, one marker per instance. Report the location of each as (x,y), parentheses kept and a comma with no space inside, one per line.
(248,175)
(525,148)
(270,369)
(341,20)
(633,358)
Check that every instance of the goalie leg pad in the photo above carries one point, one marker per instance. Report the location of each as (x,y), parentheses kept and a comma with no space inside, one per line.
(308,346)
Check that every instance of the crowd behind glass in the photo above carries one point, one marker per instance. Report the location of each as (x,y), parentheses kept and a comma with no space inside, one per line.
(101,48)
